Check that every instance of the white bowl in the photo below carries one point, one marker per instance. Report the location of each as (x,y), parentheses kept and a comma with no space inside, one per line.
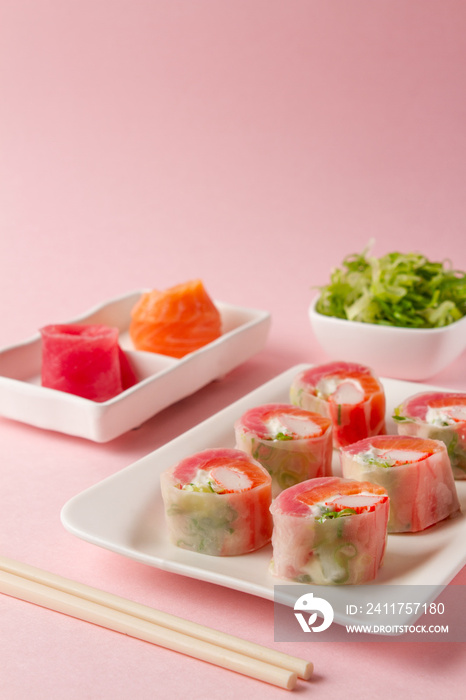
(404,353)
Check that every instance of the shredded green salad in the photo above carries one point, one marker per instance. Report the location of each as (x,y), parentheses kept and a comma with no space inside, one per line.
(397,289)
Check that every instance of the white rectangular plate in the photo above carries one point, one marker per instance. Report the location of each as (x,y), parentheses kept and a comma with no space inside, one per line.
(163,380)
(124,513)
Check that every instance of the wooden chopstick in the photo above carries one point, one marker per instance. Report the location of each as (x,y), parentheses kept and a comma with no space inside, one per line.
(134,619)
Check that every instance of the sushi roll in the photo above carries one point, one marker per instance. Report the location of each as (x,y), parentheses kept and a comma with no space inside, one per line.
(85,360)
(416,474)
(329,531)
(438,416)
(217,502)
(347,393)
(292,444)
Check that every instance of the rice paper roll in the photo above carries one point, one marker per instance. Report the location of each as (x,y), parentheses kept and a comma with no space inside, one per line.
(415,472)
(292,444)
(347,393)
(85,360)
(329,531)
(437,416)
(217,502)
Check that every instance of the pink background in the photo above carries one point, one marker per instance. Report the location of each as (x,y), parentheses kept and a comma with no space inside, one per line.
(252,144)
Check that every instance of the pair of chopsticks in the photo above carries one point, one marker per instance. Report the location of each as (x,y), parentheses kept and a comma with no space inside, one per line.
(142,622)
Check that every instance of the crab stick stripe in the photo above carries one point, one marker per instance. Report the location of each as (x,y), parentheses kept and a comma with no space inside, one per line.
(292,444)
(329,531)
(217,502)
(347,393)
(438,416)
(415,472)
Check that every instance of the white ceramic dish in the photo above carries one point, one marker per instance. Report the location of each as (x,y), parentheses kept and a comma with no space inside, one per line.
(124,513)
(163,380)
(404,353)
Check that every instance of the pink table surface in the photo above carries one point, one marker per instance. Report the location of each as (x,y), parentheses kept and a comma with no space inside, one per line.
(253,145)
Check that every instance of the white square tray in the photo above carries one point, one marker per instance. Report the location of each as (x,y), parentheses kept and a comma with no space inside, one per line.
(163,380)
(124,513)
